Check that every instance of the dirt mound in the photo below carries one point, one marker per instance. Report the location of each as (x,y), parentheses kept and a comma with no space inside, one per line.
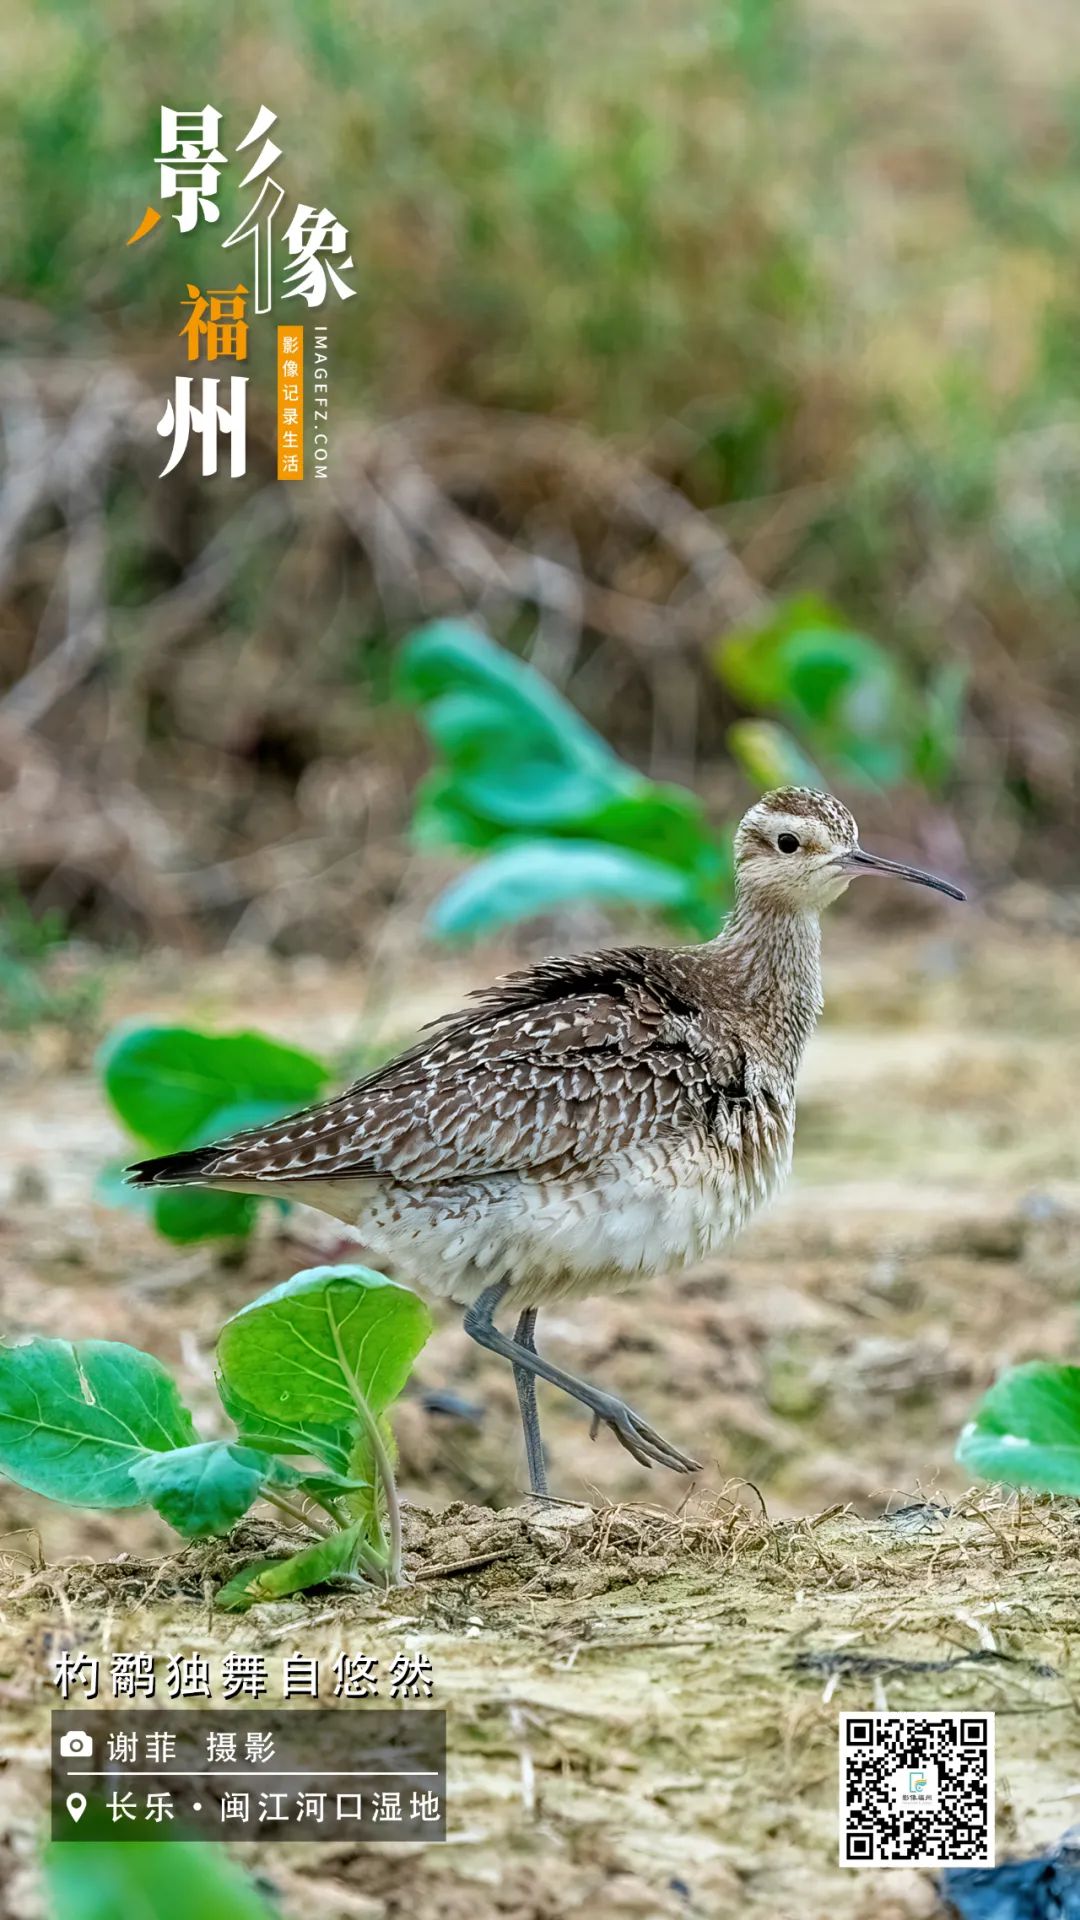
(642,1705)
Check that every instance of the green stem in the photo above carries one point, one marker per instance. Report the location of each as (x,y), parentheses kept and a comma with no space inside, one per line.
(372,1562)
(330,1506)
(296,1513)
(381,1458)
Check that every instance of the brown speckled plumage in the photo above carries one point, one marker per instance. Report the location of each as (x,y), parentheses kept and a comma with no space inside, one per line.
(588,1122)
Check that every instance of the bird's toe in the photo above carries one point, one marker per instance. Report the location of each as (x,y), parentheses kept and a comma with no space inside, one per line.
(647,1447)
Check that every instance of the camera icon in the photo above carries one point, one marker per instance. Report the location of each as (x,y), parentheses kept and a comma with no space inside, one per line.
(76,1746)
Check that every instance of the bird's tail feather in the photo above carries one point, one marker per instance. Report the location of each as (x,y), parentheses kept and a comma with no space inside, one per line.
(173,1169)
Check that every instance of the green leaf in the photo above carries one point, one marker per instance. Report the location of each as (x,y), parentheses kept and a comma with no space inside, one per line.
(307,1437)
(517,754)
(828,669)
(327,1559)
(321,1485)
(522,772)
(1026,1430)
(294,1364)
(535,876)
(296,1354)
(759,664)
(534,795)
(842,690)
(76,1420)
(171,1085)
(187,1214)
(451,658)
(770,755)
(441,818)
(204,1488)
(667,823)
(145,1879)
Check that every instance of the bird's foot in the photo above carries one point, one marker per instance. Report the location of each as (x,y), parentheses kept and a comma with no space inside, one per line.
(636,1435)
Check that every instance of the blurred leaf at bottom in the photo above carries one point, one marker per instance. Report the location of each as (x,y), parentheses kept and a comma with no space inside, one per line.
(147,1880)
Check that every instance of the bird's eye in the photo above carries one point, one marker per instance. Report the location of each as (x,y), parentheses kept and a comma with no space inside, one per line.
(788,842)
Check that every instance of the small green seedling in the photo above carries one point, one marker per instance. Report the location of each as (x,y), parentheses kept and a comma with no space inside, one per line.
(1026,1430)
(306,1373)
(175,1087)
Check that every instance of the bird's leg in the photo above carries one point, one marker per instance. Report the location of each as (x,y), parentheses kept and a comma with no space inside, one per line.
(525,1383)
(632,1432)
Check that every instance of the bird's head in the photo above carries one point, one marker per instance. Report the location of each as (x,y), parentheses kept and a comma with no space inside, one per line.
(796,850)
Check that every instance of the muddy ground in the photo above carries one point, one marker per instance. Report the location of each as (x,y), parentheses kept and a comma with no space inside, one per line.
(643,1700)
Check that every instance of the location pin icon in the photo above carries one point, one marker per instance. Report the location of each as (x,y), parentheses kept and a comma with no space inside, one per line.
(76,1805)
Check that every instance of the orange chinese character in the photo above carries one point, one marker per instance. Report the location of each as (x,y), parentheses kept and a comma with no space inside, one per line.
(219,319)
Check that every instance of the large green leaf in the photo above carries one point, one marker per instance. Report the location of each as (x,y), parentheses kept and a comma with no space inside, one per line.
(522,774)
(170,1085)
(75,1421)
(302,1353)
(204,1488)
(537,876)
(442,819)
(518,755)
(664,822)
(327,1559)
(451,658)
(529,794)
(141,1879)
(1026,1430)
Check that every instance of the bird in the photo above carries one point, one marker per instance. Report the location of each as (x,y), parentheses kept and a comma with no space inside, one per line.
(583,1125)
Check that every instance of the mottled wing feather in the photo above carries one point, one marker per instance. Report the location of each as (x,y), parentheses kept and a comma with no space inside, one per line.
(555,1068)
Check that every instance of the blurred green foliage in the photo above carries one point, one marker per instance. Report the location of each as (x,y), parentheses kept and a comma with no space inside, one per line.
(527,211)
(143,1879)
(522,778)
(803,257)
(175,1087)
(32,989)
(856,707)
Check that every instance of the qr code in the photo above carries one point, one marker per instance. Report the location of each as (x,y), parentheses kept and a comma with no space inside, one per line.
(916,1789)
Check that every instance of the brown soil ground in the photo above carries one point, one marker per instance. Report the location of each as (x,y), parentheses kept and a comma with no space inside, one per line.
(642,1696)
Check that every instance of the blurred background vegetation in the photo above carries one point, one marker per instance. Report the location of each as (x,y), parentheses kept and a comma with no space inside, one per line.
(680,331)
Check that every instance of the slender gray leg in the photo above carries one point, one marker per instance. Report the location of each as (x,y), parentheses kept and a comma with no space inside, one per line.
(526,1392)
(632,1432)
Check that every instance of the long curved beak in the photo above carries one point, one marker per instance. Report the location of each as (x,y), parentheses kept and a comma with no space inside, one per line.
(859,862)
